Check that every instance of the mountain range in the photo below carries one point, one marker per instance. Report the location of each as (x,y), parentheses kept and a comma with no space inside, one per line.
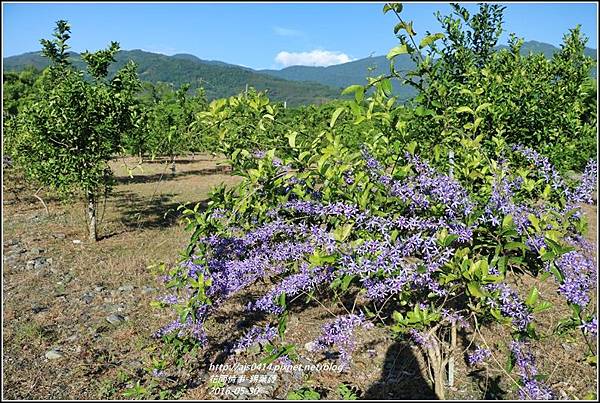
(296,84)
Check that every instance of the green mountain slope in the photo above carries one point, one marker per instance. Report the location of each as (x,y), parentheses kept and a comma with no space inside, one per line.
(219,79)
(296,84)
(344,75)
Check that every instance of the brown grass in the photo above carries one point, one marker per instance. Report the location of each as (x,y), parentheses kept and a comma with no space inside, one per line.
(139,228)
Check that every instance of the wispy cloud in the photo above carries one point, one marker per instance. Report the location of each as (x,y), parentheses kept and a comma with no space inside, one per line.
(287,31)
(163,50)
(313,58)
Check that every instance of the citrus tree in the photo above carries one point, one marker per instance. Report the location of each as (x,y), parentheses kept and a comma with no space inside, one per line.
(74,125)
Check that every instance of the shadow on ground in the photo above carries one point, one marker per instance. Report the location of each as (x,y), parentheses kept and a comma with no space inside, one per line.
(137,212)
(168,175)
(401,377)
(194,160)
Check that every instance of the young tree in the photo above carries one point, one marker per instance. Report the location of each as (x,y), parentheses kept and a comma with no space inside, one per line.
(74,126)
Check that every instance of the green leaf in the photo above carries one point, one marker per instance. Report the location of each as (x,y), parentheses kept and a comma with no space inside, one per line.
(347,279)
(281,300)
(398,50)
(516,245)
(422,111)
(282,325)
(386,86)
(352,89)
(292,139)
(497,315)
(533,297)
(336,115)
(430,39)
(475,289)
(592,359)
(341,233)
(449,239)
(392,6)
(411,147)
(483,106)
(397,316)
(507,222)
(407,26)
(534,221)
(510,364)
(542,306)
(462,109)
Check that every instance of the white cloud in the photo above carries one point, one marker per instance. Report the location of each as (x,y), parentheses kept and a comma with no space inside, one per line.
(313,58)
(287,31)
(163,50)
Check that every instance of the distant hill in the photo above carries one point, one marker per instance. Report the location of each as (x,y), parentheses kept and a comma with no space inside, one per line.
(219,79)
(296,84)
(346,74)
(549,50)
(355,72)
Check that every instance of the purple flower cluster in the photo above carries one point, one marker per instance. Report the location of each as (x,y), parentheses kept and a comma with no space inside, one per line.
(478,356)
(545,168)
(170,299)
(259,154)
(501,203)
(373,166)
(425,188)
(580,275)
(306,280)
(510,305)
(390,250)
(590,327)
(589,182)
(322,210)
(192,328)
(455,318)
(531,389)
(422,339)
(442,189)
(283,360)
(348,177)
(256,334)
(340,333)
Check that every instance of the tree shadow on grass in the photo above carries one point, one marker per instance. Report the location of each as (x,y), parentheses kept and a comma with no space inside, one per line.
(401,377)
(181,160)
(136,212)
(168,175)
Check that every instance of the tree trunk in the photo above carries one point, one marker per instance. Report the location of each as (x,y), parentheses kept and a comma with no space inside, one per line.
(91,212)
(451,357)
(439,387)
(434,356)
(172,164)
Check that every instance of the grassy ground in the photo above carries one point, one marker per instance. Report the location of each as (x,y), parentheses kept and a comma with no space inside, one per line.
(58,295)
(65,306)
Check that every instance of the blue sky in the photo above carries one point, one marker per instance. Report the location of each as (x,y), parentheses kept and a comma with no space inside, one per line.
(265,35)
